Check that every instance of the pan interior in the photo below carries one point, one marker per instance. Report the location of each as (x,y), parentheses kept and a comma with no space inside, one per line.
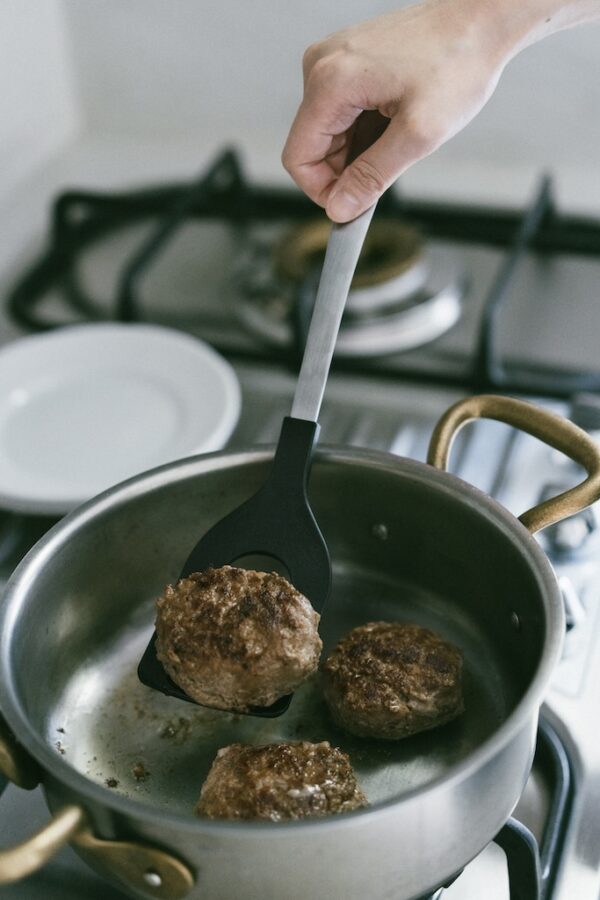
(158,750)
(407,544)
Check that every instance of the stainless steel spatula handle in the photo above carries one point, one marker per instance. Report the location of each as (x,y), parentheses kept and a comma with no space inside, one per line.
(343,250)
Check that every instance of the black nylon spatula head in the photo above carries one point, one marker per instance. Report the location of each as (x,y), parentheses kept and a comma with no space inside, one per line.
(277,521)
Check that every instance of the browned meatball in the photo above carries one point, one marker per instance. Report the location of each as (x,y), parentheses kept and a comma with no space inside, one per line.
(232,638)
(279,781)
(391,680)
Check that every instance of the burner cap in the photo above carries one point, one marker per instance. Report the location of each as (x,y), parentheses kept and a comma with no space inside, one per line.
(391,267)
(399,299)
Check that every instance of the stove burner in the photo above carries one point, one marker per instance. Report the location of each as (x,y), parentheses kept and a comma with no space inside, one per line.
(404,293)
(50,292)
(391,267)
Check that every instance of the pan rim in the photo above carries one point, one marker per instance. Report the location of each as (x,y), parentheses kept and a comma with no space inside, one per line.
(521,716)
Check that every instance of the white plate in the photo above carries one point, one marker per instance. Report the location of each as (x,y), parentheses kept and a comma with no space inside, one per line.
(87,406)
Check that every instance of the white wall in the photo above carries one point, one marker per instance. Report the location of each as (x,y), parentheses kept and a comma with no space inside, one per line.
(183,76)
(37,109)
(187,66)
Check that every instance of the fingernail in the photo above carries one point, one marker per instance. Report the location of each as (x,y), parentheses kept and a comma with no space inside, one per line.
(342,206)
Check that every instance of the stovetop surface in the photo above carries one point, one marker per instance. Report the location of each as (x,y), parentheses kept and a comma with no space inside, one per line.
(171,254)
(548,318)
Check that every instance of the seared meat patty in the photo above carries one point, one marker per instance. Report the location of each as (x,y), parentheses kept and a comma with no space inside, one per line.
(391,680)
(279,781)
(232,638)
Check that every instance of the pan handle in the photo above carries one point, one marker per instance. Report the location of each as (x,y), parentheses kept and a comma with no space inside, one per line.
(15,763)
(144,869)
(554,430)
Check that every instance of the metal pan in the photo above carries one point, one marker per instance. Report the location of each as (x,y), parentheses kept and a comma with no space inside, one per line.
(122,766)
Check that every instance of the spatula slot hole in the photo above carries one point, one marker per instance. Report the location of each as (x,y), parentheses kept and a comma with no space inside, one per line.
(262,562)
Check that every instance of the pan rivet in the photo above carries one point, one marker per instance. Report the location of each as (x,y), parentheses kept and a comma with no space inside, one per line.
(380,531)
(515,621)
(152,878)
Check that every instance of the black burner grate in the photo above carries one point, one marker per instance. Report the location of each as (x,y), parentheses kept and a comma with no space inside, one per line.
(532,868)
(80,218)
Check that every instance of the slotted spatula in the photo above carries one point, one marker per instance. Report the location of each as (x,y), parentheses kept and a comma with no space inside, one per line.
(278,522)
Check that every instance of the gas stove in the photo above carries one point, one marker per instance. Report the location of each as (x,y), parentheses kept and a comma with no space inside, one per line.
(489,298)
(476,299)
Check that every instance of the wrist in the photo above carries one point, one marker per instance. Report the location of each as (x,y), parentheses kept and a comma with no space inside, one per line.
(490,30)
(512,25)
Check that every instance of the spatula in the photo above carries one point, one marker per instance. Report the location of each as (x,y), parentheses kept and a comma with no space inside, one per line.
(277,521)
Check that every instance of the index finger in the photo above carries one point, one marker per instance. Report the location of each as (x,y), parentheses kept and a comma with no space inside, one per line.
(316,145)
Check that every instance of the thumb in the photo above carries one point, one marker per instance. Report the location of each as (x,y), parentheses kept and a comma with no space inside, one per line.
(370,174)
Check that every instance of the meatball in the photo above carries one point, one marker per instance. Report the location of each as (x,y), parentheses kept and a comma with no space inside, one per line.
(279,781)
(391,680)
(232,638)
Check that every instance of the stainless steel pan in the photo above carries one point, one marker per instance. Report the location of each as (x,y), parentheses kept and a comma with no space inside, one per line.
(122,766)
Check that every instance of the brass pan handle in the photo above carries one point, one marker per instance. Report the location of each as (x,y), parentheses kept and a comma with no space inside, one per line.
(30,855)
(15,762)
(145,869)
(554,430)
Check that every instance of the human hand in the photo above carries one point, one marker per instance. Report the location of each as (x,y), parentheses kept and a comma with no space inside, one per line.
(424,72)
